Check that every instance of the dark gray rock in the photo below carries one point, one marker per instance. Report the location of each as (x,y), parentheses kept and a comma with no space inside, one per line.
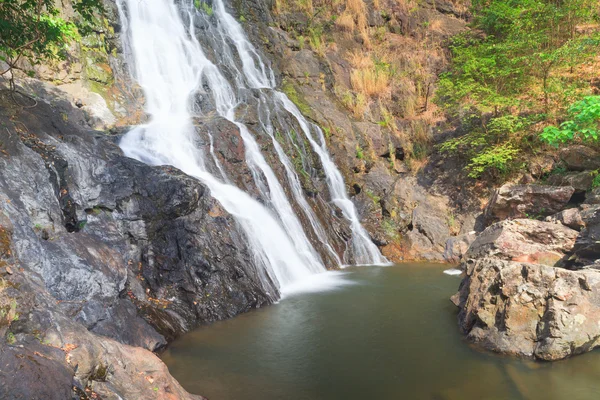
(106,253)
(580,181)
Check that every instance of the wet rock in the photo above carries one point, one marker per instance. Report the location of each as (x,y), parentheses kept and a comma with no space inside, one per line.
(580,158)
(110,255)
(524,240)
(520,201)
(529,309)
(28,373)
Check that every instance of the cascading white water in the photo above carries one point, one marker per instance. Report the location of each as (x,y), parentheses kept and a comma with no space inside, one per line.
(171,67)
(258,75)
(365,251)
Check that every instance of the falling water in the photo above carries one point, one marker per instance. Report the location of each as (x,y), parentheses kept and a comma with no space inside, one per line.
(365,251)
(172,68)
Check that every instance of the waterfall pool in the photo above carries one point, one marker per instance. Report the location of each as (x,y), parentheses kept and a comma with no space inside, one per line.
(388,333)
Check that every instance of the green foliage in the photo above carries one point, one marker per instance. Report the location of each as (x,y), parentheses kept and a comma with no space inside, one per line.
(515,44)
(497,161)
(295,97)
(584,123)
(359,153)
(205,7)
(33,30)
(518,60)
(374,198)
(596,181)
(490,149)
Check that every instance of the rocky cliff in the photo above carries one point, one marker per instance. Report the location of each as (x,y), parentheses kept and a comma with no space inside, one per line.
(104,260)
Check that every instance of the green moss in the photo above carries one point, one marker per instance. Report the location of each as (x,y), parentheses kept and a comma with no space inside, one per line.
(374,198)
(296,98)
(360,153)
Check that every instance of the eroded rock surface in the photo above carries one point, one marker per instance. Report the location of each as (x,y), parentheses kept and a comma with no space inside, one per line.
(529,309)
(524,240)
(104,259)
(522,201)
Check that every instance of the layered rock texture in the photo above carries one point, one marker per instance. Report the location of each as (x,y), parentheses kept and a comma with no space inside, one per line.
(101,253)
(531,287)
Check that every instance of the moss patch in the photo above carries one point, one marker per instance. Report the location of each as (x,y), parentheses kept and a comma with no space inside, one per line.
(291,92)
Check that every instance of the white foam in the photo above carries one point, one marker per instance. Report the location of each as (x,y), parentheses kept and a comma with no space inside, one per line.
(323,282)
(453,271)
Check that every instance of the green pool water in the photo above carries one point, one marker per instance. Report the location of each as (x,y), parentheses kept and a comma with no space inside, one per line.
(386,333)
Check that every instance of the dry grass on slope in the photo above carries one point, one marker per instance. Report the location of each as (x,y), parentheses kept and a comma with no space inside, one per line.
(392,52)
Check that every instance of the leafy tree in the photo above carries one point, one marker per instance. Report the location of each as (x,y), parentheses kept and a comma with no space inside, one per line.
(32,31)
(504,74)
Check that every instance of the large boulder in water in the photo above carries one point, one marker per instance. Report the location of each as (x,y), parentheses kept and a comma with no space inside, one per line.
(529,309)
(522,201)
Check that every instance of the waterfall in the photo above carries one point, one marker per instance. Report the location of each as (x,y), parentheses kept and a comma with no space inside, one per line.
(365,251)
(173,69)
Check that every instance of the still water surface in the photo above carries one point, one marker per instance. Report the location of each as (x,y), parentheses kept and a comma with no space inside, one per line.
(389,333)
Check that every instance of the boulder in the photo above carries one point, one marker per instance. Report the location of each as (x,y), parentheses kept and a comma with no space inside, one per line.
(520,201)
(580,158)
(457,246)
(524,240)
(587,246)
(593,196)
(570,217)
(580,181)
(528,309)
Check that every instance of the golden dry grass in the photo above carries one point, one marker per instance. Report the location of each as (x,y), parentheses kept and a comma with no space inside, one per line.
(345,22)
(371,82)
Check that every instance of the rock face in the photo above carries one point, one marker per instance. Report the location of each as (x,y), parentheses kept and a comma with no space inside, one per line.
(587,246)
(529,309)
(570,217)
(580,158)
(521,201)
(524,240)
(580,181)
(104,259)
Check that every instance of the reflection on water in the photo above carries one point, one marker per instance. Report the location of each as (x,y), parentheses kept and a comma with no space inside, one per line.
(390,335)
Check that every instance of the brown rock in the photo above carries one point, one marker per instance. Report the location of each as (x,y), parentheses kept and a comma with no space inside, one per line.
(570,217)
(528,309)
(580,158)
(457,246)
(524,240)
(519,201)
(580,181)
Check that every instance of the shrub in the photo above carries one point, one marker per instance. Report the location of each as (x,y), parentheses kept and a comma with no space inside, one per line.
(584,123)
